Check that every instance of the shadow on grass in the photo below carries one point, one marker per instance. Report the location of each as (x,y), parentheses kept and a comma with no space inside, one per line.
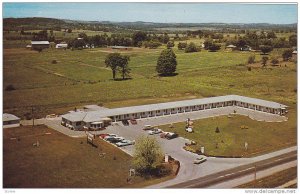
(121,79)
(168,75)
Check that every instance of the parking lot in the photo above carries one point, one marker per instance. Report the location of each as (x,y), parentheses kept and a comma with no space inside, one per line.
(173,147)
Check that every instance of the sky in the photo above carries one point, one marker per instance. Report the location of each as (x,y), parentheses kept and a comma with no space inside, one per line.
(157,12)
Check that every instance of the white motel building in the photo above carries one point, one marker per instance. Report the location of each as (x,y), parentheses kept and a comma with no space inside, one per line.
(78,120)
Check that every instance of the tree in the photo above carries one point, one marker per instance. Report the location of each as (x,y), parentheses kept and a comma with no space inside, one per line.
(271,34)
(139,37)
(166,63)
(170,44)
(147,155)
(214,47)
(251,59)
(207,43)
(265,49)
(181,45)
(287,54)
(264,60)
(124,68)
(293,40)
(116,62)
(191,48)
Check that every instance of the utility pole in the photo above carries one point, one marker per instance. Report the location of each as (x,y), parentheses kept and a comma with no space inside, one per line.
(32,114)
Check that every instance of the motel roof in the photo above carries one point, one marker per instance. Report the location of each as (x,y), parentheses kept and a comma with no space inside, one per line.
(9,117)
(39,42)
(93,116)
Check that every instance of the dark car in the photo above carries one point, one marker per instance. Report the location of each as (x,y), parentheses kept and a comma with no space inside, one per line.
(114,139)
(125,122)
(133,121)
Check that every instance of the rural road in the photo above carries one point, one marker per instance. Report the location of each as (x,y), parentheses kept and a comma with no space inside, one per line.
(213,166)
(237,172)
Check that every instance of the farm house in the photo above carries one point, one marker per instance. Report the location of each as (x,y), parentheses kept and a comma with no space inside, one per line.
(79,119)
(10,120)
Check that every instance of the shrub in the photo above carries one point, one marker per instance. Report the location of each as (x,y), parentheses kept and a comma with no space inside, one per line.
(287,54)
(264,60)
(274,61)
(53,61)
(251,59)
(10,87)
(249,68)
(191,48)
(217,130)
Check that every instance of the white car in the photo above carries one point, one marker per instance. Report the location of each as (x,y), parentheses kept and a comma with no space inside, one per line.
(125,143)
(110,136)
(200,160)
(154,131)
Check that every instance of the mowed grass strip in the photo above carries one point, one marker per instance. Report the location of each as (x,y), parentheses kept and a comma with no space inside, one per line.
(275,180)
(262,137)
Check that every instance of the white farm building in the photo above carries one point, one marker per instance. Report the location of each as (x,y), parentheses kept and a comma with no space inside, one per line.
(10,120)
(97,119)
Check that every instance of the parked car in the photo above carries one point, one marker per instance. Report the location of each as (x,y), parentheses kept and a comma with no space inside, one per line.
(200,160)
(168,135)
(110,136)
(125,143)
(154,131)
(125,122)
(147,127)
(103,135)
(133,121)
(171,135)
(115,139)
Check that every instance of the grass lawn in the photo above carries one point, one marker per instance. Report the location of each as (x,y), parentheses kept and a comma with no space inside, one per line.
(262,137)
(274,180)
(80,77)
(63,162)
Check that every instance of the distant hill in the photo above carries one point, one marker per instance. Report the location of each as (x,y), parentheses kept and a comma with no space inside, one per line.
(51,23)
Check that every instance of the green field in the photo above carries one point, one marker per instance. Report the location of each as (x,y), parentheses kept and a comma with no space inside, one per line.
(80,77)
(64,162)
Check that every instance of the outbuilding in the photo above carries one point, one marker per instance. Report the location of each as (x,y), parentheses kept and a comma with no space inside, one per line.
(10,120)
(39,45)
(61,46)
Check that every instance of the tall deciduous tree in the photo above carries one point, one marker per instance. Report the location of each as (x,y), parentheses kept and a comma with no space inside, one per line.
(123,67)
(147,155)
(117,62)
(166,63)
